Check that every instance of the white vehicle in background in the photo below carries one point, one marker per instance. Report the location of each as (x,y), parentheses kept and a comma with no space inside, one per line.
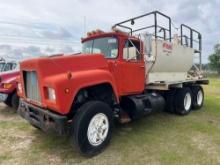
(8,65)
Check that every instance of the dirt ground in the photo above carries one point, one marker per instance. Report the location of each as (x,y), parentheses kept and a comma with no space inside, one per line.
(160,138)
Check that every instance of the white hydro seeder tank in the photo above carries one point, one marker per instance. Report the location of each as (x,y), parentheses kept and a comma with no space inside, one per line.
(166,61)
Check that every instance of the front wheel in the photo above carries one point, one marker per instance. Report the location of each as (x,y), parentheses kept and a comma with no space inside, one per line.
(15,101)
(12,100)
(93,125)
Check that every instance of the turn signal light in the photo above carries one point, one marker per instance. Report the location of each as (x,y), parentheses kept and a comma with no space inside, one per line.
(7,85)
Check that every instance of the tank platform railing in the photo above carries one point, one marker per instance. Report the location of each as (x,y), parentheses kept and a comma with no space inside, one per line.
(193,37)
(156,25)
(158,28)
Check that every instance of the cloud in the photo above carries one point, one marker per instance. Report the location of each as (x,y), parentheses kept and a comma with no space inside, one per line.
(20,53)
(66,21)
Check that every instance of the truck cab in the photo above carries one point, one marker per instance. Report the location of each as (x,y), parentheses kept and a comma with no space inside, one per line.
(119,75)
(124,57)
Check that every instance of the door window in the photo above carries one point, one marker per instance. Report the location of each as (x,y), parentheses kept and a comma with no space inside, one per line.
(131,50)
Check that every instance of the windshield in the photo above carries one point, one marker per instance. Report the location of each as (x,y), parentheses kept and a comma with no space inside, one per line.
(2,66)
(107,46)
(9,66)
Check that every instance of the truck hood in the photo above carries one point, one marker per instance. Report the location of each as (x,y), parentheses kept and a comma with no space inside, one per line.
(8,77)
(46,66)
(38,75)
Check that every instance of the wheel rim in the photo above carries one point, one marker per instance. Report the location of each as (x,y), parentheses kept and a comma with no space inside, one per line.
(199,97)
(98,129)
(187,101)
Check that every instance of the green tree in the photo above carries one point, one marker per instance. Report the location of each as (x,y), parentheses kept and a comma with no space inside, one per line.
(215,59)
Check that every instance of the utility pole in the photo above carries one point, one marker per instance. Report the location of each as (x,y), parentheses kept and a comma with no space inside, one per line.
(84,25)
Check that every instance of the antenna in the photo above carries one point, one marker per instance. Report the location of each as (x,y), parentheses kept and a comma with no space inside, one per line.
(84,25)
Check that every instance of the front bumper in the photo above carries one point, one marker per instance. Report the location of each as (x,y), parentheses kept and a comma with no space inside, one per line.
(44,119)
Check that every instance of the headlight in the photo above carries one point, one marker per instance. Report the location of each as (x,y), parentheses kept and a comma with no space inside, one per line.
(51,94)
(8,85)
(19,88)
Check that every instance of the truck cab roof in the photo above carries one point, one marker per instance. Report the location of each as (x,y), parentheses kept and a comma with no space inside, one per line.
(114,33)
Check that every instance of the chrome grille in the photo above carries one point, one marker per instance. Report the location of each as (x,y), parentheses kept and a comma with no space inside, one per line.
(31,86)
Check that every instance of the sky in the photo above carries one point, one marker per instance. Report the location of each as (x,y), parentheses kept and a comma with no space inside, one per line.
(29,28)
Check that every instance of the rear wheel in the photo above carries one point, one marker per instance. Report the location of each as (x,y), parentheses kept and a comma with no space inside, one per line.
(93,127)
(197,97)
(183,101)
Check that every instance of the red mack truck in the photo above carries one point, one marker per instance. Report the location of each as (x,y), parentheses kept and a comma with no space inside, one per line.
(135,69)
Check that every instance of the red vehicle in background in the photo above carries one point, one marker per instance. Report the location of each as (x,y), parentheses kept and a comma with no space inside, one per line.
(8,86)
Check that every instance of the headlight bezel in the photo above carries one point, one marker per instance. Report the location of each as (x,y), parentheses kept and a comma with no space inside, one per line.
(51,94)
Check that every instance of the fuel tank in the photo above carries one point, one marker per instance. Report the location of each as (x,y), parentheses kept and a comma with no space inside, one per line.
(141,105)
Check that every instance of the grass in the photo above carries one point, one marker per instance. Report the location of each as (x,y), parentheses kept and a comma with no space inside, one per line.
(160,138)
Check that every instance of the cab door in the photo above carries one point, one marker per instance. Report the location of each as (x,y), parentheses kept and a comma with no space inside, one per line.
(131,68)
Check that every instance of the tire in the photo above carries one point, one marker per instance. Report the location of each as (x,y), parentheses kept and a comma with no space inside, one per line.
(170,98)
(197,97)
(8,101)
(88,114)
(183,101)
(14,101)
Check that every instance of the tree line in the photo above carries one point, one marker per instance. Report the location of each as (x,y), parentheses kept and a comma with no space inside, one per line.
(214,59)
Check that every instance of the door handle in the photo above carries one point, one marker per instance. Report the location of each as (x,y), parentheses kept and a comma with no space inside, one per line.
(142,66)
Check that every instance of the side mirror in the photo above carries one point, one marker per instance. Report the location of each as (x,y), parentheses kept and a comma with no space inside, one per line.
(164,33)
